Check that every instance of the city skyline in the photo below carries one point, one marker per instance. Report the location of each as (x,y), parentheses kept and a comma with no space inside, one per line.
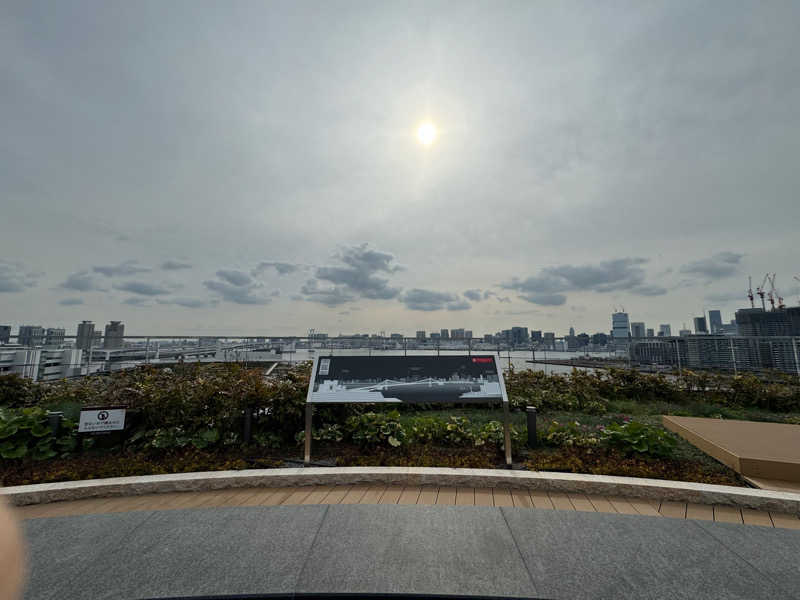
(614,158)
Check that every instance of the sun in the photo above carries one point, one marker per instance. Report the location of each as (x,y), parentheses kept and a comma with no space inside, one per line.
(427,133)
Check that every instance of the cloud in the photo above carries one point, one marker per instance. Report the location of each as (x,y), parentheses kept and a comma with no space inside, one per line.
(175,265)
(129,267)
(234,277)
(475,295)
(545,299)
(237,287)
(70,301)
(722,264)
(82,281)
(329,296)
(14,277)
(283,268)
(725,297)
(187,302)
(549,286)
(143,288)
(136,301)
(429,300)
(358,278)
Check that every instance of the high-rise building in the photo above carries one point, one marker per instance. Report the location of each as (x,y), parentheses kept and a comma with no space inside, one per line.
(488,338)
(685,332)
(637,329)
(54,336)
(115,332)
(468,334)
(536,335)
(620,327)
(5,334)
(97,339)
(755,321)
(457,334)
(445,334)
(30,335)
(421,336)
(664,330)
(435,336)
(519,335)
(651,332)
(549,340)
(572,331)
(715,321)
(85,337)
(700,325)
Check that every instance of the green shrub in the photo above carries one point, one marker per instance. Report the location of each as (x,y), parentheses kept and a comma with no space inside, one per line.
(377,429)
(25,433)
(639,438)
(571,434)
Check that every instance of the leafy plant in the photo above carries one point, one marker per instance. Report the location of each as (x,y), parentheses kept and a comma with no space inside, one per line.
(640,438)
(377,429)
(25,433)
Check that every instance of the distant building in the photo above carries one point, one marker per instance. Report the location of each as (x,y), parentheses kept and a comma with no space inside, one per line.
(54,336)
(40,364)
(715,321)
(549,340)
(685,332)
(421,336)
(637,330)
(468,334)
(97,339)
(536,336)
(651,332)
(85,337)
(115,333)
(205,342)
(620,329)
(457,334)
(700,325)
(399,336)
(488,338)
(572,332)
(519,335)
(755,321)
(664,330)
(5,334)
(445,334)
(600,339)
(30,335)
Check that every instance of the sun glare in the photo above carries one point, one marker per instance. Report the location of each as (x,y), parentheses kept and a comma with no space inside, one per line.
(426,133)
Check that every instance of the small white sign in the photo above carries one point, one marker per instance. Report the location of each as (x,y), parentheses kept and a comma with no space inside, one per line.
(105,419)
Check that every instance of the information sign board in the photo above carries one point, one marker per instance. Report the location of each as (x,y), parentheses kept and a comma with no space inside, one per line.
(101,419)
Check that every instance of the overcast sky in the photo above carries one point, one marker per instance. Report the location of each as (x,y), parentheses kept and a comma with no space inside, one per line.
(235,167)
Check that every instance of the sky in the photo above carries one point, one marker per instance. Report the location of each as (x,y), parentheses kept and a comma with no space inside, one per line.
(251,168)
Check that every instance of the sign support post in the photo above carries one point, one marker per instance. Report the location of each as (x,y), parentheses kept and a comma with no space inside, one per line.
(309,418)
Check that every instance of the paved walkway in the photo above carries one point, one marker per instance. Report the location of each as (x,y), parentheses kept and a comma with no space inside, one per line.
(422,549)
(383,494)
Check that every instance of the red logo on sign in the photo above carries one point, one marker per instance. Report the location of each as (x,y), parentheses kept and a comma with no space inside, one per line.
(482,360)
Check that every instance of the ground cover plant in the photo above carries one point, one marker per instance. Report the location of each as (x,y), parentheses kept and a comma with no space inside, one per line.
(191,417)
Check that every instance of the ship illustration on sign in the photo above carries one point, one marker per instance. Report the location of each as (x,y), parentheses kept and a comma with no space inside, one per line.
(422,390)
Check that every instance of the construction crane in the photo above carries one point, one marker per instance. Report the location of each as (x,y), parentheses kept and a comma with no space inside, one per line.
(750,291)
(774,294)
(760,292)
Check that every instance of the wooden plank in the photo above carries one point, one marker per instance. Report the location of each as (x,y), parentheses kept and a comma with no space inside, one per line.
(447,495)
(483,497)
(318,494)
(784,520)
(354,495)
(756,517)
(644,507)
(622,505)
(581,502)
(239,496)
(191,499)
(703,512)
(541,500)
(674,510)
(392,494)
(502,497)
(521,499)
(225,498)
(337,494)
(727,514)
(298,495)
(561,501)
(261,496)
(373,494)
(410,495)
(465,496)
(602,504)
(278,496)
(428,495)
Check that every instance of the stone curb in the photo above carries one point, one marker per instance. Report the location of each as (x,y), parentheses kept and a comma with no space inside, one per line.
(655,489)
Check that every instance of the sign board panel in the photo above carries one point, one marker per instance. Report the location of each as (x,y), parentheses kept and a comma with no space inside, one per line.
(103,419)
(406,379)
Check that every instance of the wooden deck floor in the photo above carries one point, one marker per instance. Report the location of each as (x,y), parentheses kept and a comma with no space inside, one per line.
(388,494)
